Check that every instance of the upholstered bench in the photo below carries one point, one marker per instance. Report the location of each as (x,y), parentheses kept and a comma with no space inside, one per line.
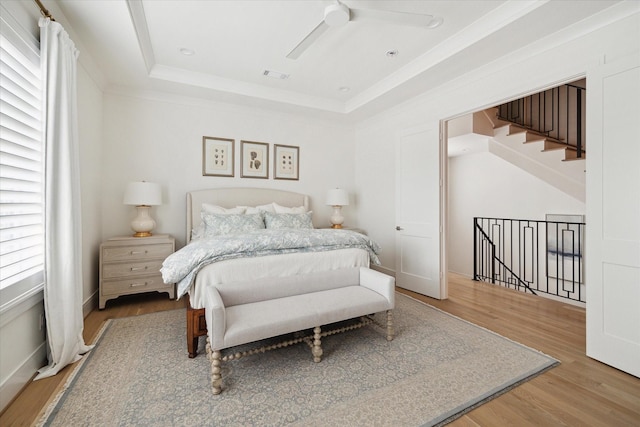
(364,293)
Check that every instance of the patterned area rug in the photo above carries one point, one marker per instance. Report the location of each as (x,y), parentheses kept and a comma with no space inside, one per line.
(437,368)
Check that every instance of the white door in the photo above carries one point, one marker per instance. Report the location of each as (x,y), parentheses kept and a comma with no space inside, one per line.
(612,253)
(418,192)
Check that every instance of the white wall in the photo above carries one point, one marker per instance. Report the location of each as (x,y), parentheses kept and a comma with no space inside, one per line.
(158,138)
(543,64)
(484,185)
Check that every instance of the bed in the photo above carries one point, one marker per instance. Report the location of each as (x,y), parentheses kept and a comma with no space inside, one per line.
(238,272)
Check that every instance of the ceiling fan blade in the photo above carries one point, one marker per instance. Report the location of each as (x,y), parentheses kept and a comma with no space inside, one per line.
(308,41)
(403,18)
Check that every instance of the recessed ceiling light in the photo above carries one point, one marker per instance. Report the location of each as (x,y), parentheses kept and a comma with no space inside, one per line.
(187,52)
(275,74)
(392,53)
(344,88)
(436,21)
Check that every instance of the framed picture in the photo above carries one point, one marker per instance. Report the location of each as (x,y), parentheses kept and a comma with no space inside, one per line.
(565,246)
(217,156)
(254,161)
(286,164)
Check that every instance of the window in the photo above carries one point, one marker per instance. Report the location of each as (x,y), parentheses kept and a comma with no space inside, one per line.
(21,165)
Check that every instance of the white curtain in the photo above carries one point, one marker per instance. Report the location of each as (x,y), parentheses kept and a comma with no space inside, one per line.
(63,242)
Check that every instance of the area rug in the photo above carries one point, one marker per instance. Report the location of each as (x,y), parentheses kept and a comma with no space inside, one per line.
(437,368)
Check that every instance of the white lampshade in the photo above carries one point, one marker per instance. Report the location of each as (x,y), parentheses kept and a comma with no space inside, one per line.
(337,197)
(143,194)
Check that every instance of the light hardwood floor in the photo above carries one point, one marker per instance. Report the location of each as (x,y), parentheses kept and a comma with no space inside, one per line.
(578,392)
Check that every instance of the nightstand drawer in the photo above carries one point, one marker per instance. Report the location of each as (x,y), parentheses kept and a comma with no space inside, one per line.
(133,285)
(126,253)
(110,271)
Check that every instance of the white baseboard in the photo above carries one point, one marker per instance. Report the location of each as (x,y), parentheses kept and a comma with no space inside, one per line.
(12,386)
(384,270)
(23,374)
(468,276)
(90,304)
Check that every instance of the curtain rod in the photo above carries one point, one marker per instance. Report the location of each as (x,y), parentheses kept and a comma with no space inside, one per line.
(44,10)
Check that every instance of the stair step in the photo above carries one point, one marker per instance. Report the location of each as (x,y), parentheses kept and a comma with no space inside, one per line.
(531,135)
(550,145)
(571,153)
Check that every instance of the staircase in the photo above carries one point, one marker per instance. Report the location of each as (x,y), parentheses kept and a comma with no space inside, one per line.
(544,157)
(542,133)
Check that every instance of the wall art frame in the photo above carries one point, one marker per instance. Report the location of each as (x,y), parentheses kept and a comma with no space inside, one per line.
(218,156)
(286,162)
(254,159)
(565,247)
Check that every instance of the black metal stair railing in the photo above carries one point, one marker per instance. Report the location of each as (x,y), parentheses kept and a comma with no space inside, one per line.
(530,255)
(559,113)
(490,261)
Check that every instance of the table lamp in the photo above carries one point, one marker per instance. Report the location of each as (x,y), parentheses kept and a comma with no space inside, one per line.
(143,195)
(337,198)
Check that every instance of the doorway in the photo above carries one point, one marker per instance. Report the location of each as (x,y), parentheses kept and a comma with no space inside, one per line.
(484,182)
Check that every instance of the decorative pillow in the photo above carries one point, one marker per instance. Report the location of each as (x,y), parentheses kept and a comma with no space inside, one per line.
(284,209)
(278,221)
(258,209)
(206,207)
(223,224)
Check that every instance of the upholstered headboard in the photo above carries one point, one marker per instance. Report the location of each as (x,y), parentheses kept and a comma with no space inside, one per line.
(232,197)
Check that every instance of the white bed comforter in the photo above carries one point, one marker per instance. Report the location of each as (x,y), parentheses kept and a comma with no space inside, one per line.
(182,266)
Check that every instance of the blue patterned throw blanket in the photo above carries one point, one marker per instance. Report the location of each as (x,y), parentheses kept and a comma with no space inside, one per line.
(182,266)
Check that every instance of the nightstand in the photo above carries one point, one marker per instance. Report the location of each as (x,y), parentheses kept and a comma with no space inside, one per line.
(131,265)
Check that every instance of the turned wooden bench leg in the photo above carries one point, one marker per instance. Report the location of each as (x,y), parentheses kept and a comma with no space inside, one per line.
(389,325)
(216,375)
(317,349)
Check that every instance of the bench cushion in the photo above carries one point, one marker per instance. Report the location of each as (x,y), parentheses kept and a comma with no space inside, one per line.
(259,320)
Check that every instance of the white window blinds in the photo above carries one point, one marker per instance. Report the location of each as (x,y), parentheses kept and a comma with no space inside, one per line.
(21,162)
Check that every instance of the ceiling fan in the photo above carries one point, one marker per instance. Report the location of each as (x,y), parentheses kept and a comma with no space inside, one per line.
(338,14)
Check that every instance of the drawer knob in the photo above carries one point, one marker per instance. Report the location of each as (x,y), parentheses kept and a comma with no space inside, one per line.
(138,252)
(138,268)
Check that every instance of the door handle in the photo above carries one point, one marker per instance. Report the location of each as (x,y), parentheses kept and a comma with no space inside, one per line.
(398,228)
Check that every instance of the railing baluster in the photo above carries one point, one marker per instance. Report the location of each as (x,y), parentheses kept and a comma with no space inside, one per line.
(579,123)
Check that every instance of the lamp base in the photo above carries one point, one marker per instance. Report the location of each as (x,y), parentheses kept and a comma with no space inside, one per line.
(142,234)
(143,223)
(337,219)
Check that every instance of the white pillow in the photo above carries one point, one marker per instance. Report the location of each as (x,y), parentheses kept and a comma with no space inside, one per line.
(208,208)
(258,209)
(283,209)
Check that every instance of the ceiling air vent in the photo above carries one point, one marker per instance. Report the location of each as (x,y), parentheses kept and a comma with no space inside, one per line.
(275,74)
